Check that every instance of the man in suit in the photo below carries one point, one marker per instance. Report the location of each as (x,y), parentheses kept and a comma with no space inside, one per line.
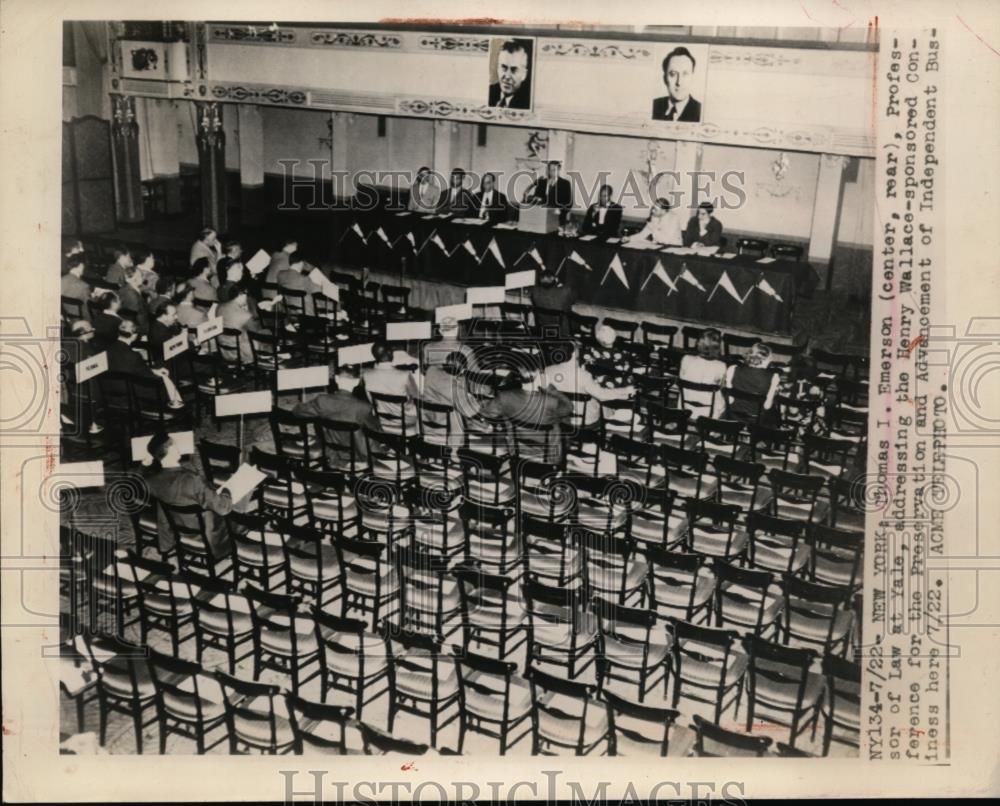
(550,295)
(124,359)
(133,299)
(345,401)
(525,401)
(424,192)
(490,203)
(73,285)
(162,328)
(116,271)
(279,262)
(553,191)
(512,88)
(704,229)
(385,378)
(678,105)
(201,272)
(236,315)
(207,246)
(456,200)
(294,279)
(107,319)
(604,217)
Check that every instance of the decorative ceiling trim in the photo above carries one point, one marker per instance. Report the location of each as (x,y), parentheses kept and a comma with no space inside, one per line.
(474,45)
(252,34)
(582,50)
(260,94)
(353,39)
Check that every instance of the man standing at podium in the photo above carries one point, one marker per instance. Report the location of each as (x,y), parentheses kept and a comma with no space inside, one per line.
(553,191)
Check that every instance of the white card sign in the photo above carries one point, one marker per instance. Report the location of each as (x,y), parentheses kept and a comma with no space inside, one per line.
(258,262)
(210,329)
(175,346)
(303,378)
(91,367)
(405,331)
(355,354)
(459,312)
(486,295)
(243,403)
(80,474)
(519,279)
(184,440)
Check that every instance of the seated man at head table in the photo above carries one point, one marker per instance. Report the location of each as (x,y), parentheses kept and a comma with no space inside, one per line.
(604,217)
(490,204)
(386,378)
(704,229)
(456,200)
(663,226)
(344,401)
(424,192)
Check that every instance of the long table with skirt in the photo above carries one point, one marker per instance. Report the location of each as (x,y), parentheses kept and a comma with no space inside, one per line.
(736,291)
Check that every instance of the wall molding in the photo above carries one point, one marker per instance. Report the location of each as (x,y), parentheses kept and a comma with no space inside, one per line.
(457,109)
(588,51)
(474,45)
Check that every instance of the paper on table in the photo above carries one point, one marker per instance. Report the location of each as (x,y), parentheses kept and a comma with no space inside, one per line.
(473,221)
(506,225)
(587,237)
(706,250)
(766,260)
(613,240)
(79,475)
(244,481)
(258,262)
(727,255)
(404,213)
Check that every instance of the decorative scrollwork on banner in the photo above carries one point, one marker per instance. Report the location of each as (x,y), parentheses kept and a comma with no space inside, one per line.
(346,39)
(210,133)
(124,124)
(447,109)
(455,44)
(271,34)
(581,50)
(273,95)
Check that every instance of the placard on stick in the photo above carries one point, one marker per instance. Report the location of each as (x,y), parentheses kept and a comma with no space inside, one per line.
(80,474)
(355,354)
(209,330)
(91,367)
(406,331)
(459,312)
(519,279)
(175,346)
(303,378)
(243,403)
(486,295)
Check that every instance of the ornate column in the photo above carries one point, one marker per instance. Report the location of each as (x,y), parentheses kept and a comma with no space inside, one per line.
(826,209)
(211,140)
(125,151)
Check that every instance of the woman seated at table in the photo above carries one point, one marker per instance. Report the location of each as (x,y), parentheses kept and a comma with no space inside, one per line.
(754,377)
(707,368)
(179,484)
(704,229)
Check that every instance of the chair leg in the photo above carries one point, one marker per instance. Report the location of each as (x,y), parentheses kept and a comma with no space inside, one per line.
(137,721)
(163,734)
(104,719)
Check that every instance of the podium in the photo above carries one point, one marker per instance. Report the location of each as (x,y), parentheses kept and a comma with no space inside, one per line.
(538,219)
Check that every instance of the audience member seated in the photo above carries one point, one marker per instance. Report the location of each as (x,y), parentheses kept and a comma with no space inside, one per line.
(345,401)
(570,377)
(79,347)
(294,279)
(607,362)
(445,384)
(236,314)
(107,320)
(180,484)
(523,399)
(706,367)
(703,229)
(663,226)
(73,285)
(424,193)
(122,357)
(188,314)
(145,262)
(201,281)
(279,262)
(387,379)
(436,353)
(553,295)
(207,247)
(116,271)
(133,299)
(164,291)
(162,328)
(754,377)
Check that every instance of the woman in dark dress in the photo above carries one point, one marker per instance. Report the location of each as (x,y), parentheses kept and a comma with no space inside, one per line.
(754,377)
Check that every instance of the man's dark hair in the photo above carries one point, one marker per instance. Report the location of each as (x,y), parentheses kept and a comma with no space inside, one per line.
(127,328)
(74,261)
(205,233)
(681,51)
(381,351)
(663,202)
(295,257)
(514,45)
(231,245)
(157,447)
(287,240)
(232,292)
(611,190)
(492,176)
(105,300)
(164,284)
(160,308)
(455,363)
(199,266)
(139,256)
(547,279)
(223,266)
(121,251)
(707,206)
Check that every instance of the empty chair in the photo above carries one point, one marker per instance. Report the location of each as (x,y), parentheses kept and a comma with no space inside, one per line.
(639,729)
(841,708)
(430,602)
(746,600)
(836,556)
(737,346)
(331,509)
(165,602)
(708,666)
(566,717)
(817,616)
(822,456)
(622,327)
(258,551)
(612,570)
(296,438)
(425,682)
(395,413)
(634,649)
(312,567)
(257,716)
(543,491)
(495,701)
(487,478)
(562,633)
(686,473)
(222,620)
(779,545)
(847,506)
(691,334)
(552,553)
(739,483)
(353,661)
(379,743)
(636,461)
(371,583)
(282,496)
(681,586)
(713,741)
(653,333)
(435,422)
(780,687)
(189,701)
(491,537)
(219,461)
(284,637)
(712,530)
(654,522)
(491,613)
(667,425)
(389,457)
(796,496)
(787,251)
(719,437)
(437,525)
(318,728)
(771,447)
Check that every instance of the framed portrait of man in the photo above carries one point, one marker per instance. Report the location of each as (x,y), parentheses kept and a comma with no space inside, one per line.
(681,84)
(511,72)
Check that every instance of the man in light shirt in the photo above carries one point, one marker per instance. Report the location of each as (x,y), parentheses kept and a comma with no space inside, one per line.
(424,193)
(490,203)
(663,226)
(569,376)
